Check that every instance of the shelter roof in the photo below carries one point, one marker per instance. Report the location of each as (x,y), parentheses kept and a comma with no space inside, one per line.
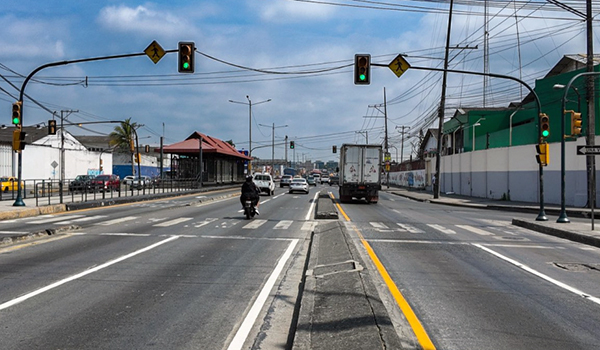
(191,146)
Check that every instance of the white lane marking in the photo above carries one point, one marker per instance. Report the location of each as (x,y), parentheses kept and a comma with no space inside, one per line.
(84,273)
(283,225)
(312,206)
(410,228)
(308,226)
(539,274)
(117,221)
(378,225)
(11,232)
(475,230)
(442,229)
(242,334)
(126,234)
(53,219)
(172,222)
(255,224)
(87,218)
(205,222)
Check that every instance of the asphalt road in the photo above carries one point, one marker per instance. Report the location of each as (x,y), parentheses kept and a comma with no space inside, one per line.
(164,274)
(476,282)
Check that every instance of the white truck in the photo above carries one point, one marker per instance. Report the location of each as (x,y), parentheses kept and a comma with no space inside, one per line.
(265,183)
(360,172)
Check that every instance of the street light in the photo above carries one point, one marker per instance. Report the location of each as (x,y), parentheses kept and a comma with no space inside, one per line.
(273,146)
(249,126)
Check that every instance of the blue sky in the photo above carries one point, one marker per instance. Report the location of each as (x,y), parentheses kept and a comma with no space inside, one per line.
(279,36)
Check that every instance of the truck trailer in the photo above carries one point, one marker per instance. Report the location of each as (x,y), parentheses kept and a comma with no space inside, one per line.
(360,172)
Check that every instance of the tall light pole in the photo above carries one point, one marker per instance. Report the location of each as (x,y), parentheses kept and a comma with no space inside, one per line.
(250,127)
(273,145)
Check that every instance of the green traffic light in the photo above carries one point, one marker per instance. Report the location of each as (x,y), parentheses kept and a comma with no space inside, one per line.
(16,121)
(545,133)
(362,77)
(186,65)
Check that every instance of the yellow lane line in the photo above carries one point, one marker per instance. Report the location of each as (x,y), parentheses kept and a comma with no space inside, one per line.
(414,322)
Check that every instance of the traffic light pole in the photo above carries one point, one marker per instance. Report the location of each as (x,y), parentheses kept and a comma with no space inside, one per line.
(19,200)
(541,215)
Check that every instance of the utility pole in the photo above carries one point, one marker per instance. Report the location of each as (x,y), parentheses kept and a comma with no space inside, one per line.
(591,125)
(62,151)
(402,143)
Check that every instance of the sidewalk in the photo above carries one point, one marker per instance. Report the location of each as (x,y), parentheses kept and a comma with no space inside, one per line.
(577,230)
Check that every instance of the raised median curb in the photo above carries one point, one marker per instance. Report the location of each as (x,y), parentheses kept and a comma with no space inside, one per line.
(325,208)
(552,230)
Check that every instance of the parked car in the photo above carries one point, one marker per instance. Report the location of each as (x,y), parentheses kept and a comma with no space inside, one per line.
(325,179)
(299,185)
(142,182)
(265,183)
(10,183)
(311,180)
(81,183)
(285,180)
(127,180)
(106,183)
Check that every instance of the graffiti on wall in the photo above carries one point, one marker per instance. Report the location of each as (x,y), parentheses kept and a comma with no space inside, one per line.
(412,178)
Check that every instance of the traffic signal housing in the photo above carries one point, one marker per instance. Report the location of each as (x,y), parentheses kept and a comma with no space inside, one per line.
(545,125)
(292,145)
(543,156)
(334,149)
(185,62)
(17,113)
(18,143)
(576,123)
(51,127)
(362,69)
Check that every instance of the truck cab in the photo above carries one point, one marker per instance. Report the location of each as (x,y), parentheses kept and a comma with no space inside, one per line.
(265,183)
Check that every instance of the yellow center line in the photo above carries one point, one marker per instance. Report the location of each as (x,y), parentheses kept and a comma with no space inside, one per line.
(414,322)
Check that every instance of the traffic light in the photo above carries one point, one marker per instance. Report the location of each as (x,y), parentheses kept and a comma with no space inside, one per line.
(138,158)
(18,143)
(545,125)
(362,69)
(334,149)
(292,145)
(543,156)
(16,113)
(147,148)
(131,145)
(576,122)
(185,62)
(51,127)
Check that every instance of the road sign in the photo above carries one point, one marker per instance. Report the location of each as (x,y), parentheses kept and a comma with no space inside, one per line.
(155,52)
(588,150)
(399,65)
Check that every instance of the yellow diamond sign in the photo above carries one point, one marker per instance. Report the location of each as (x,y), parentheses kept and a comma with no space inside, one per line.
(399,65)
(155,52)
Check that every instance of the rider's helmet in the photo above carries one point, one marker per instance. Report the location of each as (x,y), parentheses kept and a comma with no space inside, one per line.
(249,178)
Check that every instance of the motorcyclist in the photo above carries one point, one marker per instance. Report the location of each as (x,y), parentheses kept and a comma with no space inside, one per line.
(250,191)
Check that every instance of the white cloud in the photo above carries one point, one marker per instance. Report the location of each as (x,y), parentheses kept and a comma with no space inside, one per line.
(141,19)
(285,11)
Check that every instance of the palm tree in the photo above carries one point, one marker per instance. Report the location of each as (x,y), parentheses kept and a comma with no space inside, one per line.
(122,138)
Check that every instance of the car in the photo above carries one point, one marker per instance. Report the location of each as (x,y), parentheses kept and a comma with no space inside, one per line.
(299,185)
(127,180)
(10,183)
(311,180)
(285,180)
(317,178)
(142,182)
(106,182)
(325,179)
(265,183)
(334,180)
(81,183)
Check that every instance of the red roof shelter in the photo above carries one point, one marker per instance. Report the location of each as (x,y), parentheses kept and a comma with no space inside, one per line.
(222,163)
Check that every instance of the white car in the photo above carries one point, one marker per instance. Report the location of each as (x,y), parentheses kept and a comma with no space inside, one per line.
(127,180)
(265,183)
(299,185)
(142,182)
(325,179)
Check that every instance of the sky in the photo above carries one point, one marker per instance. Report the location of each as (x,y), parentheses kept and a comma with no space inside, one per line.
(297,55)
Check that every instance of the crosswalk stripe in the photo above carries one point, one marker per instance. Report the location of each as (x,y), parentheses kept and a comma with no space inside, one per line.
(283,225)
(255,224)
(53,219)
(205,222)
(308,226)
(172,222)
(117,221)
(378,225)
(475,230)
(87,218)
(410,228)
(442,229)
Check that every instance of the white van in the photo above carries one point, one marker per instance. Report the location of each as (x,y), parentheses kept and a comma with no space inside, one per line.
(265,183)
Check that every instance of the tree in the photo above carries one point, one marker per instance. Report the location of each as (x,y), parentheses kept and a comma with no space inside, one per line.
(123,137)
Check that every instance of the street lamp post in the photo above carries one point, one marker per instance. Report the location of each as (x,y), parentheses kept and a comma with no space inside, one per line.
(249,127)
(273,145)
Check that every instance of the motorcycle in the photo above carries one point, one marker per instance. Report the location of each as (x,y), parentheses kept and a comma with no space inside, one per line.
(249,209)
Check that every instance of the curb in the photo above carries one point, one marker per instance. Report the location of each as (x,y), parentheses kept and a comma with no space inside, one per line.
(325,208)
(553,231)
